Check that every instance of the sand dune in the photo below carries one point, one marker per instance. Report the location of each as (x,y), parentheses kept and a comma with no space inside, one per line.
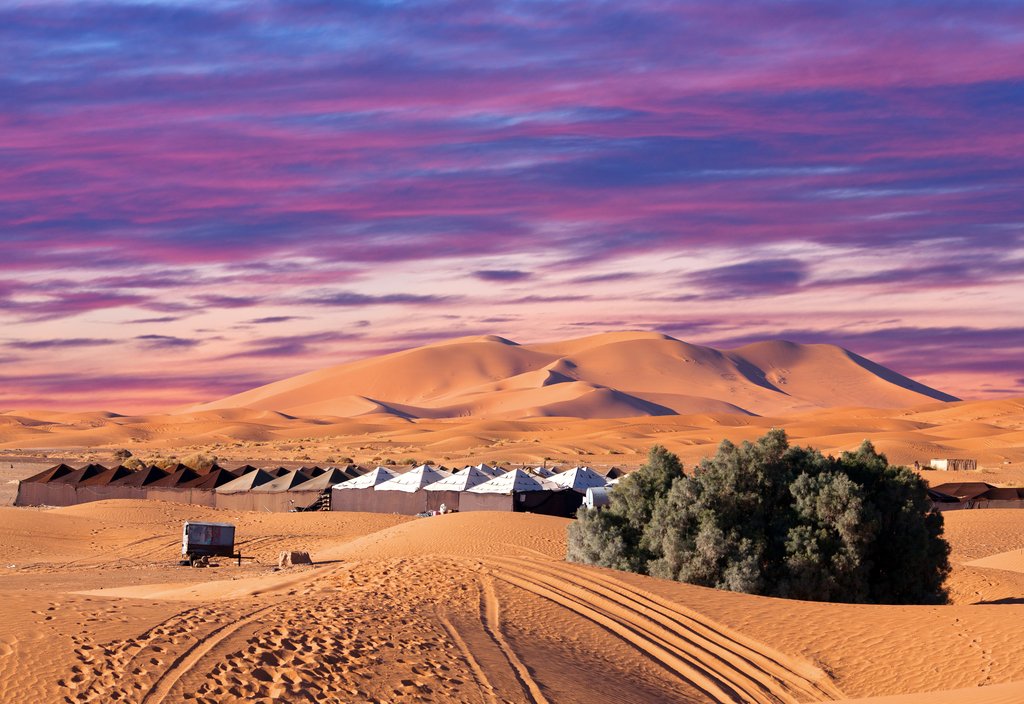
(603,376)
(990,431)
(466,607)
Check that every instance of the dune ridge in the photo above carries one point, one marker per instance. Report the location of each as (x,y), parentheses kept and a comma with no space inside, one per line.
(608,375)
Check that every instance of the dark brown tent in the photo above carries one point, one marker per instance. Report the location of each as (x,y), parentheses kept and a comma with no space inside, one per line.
(56,472)
(143,477)
(613,473)
(211,481)
(965,491)
(107,476)
(353,470)
(177,478)
(80,475)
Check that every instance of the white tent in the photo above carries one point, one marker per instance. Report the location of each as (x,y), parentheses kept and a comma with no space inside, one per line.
(541,472)
(368,480)
(489,470)
(580,479)
(512,481)
(413,480)
(462,480)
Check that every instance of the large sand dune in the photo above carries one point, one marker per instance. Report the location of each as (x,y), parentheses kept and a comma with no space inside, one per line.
(466,607)
(611,375)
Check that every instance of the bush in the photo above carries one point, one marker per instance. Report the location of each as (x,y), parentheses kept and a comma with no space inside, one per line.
(766,518)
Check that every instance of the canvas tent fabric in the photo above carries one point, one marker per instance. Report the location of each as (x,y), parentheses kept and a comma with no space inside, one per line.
(513,481)
(322,482)
(965,491)
(107,476)
(48,475)
(413,480)
(246,482)
(143,477)
(177,478)
(80,475)
(542,472)
(490,471)
(217,478)
(460,481)
(284,482)
(580,479)
(368,480)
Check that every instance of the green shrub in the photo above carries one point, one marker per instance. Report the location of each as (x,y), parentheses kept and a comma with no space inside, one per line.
(766,518)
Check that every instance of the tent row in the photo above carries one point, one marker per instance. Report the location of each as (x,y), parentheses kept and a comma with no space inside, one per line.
(245,488)
(478,488)
(352,488)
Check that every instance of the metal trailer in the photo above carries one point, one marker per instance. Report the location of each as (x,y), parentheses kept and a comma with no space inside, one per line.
(200,541)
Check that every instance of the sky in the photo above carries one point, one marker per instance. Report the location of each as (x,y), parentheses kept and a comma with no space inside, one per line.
(200,197)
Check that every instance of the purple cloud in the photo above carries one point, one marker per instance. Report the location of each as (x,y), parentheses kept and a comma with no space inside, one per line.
(752,278)
(166,342)
(502,275)
(70,342)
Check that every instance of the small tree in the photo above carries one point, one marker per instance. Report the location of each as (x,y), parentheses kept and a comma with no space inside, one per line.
(767,518)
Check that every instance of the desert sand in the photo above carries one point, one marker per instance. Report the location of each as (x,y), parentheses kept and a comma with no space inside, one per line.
(467,607)
(481,607)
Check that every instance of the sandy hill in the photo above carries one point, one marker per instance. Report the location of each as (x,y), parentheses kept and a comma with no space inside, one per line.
(612,375)
(470,607)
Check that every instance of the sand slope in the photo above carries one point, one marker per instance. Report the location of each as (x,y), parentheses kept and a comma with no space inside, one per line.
(466,607)
(603,376)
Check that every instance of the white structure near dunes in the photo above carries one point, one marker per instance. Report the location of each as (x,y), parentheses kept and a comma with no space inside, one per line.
(515,480)
(413,480)
(463,480)
(368,480)
(579,479)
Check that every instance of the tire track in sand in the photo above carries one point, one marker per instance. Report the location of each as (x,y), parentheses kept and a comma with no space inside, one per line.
(726,666)
(810,681)
(478,672)
(188,659)
(491,617)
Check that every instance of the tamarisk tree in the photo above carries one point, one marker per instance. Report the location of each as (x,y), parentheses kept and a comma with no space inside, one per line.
(767,518)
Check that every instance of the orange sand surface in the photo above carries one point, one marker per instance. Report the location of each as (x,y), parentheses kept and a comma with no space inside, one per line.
(474,607)
(995,437)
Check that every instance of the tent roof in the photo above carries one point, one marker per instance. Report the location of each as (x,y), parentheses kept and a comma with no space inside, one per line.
(177,478)
(323,481)
(413,480)
(368,480)
(107,476)
(1003,494)
(513,481)
(246,482)
(579,479)
(48,475)
(143,477)
(80,475)
(214,479)
(541,472)
(489,470)
(284,482)
(965,491)
(460,481)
